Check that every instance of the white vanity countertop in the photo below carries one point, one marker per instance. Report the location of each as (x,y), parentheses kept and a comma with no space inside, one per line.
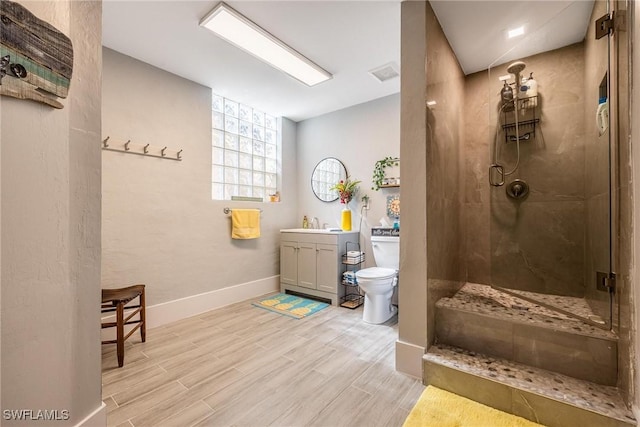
(315,231)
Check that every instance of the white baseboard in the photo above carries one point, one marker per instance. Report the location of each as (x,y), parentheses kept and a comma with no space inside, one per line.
(409,359)
(97,418)
(171,311)
(161,314)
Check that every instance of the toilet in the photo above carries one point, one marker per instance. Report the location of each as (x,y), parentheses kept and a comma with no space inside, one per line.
(378,283)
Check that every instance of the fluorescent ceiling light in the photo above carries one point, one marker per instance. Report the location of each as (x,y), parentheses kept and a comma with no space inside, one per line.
(515,32)
(243,33)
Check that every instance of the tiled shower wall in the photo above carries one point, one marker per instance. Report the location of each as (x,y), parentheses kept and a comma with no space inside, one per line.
(536,244)
(445,124)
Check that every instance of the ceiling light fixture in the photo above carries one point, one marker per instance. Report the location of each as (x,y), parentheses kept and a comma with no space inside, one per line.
(238,30)
(515,32)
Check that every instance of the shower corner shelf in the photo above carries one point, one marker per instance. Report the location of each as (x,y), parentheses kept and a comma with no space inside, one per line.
(353,297)
(527,124)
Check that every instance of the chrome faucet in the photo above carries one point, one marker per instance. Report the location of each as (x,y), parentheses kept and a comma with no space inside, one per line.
(315,223)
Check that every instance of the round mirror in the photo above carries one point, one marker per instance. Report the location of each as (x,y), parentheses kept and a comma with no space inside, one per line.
(327,173)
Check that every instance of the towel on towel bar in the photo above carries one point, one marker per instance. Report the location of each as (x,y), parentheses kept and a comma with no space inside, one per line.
(245,223)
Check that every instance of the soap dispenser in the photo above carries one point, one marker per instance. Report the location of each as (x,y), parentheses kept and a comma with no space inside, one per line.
(305,222)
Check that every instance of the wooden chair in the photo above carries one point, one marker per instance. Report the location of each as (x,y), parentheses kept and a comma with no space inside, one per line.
(117,300)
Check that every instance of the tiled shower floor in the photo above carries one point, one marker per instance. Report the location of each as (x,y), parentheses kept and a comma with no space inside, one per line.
(484,299)
(597,398)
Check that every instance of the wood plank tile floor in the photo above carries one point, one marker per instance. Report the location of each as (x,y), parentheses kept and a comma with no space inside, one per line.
(244,366)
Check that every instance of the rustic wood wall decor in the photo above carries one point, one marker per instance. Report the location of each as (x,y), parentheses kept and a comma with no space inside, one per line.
(36,60)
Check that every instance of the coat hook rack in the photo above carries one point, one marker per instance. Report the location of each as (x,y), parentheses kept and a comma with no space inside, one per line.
(142,150)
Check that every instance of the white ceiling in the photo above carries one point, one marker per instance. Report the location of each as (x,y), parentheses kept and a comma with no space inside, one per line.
(477,30)
(347,38)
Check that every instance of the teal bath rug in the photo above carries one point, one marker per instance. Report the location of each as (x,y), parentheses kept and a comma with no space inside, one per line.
(290,305)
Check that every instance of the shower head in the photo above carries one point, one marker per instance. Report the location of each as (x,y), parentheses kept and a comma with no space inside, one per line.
(516,68)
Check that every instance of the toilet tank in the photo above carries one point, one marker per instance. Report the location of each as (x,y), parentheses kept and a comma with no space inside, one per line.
(386,251)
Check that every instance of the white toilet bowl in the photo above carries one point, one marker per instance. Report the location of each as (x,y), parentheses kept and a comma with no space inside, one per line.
(378,285)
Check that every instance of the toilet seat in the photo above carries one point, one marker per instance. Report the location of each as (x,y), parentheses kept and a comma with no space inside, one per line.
(375,273)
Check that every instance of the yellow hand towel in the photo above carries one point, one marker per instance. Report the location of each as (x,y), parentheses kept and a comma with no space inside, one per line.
(245,223)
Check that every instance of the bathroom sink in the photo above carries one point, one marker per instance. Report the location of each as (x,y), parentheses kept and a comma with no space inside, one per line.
(311,230)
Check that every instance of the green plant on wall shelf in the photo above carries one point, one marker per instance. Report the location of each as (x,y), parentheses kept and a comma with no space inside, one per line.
(378,171)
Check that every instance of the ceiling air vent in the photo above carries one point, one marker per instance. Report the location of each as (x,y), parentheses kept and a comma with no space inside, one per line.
(385,72)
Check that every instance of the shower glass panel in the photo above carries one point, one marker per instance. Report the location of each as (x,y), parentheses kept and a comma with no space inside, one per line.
(549,173)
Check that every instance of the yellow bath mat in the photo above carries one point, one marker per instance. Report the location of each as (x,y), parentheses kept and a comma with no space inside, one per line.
(439,408)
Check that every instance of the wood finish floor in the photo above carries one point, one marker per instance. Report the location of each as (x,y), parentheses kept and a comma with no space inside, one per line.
(245,366)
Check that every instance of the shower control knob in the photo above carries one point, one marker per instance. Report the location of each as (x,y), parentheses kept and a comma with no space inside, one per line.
(517,189)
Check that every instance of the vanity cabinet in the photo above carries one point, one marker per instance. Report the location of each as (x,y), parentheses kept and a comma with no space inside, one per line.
(310,262)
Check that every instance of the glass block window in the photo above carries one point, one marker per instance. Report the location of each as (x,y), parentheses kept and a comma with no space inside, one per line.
(244,151)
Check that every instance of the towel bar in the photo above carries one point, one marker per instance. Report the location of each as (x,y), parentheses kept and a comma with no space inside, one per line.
(227,211)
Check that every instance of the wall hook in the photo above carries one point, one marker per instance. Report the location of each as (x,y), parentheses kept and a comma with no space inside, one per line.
(146,149)
(178,154)
(104,143)
(162,151)
(126,145)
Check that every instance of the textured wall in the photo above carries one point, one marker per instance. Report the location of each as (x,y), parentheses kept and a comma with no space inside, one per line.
(358,136)
(446,269)
(51,233)
(160,226)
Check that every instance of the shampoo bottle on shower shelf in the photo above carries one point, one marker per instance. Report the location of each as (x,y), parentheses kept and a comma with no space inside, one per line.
(523,88)
(507,96)
(533,86)
(532,92)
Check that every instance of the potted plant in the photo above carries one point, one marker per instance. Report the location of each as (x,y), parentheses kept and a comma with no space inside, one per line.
(379,173)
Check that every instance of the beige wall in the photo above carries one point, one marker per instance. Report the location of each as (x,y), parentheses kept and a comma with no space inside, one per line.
(160,226)
(51,233)
(412,316)
(358,136)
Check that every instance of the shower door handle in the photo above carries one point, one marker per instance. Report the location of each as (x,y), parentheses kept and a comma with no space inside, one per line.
(500,170)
